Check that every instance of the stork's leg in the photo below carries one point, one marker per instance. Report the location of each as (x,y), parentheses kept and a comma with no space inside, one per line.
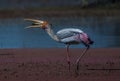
(68,56)
(78,60)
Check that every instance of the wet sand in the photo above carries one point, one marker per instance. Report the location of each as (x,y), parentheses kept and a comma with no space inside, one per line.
(99,64)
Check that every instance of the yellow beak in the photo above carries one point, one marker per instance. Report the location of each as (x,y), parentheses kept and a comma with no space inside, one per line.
(36,23)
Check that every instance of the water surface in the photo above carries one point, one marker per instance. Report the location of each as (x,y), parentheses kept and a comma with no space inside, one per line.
(105,31)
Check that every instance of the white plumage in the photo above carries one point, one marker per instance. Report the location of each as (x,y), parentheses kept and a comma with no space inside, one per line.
(68,35)
(67,32)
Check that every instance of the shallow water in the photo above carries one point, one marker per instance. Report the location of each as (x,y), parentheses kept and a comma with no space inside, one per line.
(105,31)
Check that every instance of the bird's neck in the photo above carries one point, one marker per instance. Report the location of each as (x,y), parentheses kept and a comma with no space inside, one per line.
(51,34)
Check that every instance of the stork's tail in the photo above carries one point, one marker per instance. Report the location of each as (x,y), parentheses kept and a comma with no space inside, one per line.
(90,41)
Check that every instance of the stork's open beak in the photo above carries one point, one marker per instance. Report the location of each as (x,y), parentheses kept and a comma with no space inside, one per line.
(36,23)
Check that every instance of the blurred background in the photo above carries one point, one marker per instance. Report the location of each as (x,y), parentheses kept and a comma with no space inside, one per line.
(24,4)
(99,18)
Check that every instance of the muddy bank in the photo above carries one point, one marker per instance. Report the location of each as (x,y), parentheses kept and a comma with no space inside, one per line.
(50,65)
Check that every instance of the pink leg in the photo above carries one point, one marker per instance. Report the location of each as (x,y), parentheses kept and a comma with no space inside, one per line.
(68,57)
(77,62)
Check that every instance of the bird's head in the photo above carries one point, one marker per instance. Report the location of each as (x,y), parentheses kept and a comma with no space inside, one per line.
(37,23)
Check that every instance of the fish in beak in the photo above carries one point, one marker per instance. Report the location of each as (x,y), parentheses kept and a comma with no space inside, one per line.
(37,23)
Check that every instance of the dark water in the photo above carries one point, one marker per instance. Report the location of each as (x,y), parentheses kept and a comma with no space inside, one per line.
(105,31)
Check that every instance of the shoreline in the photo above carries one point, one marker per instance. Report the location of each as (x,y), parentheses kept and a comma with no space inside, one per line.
(49,52)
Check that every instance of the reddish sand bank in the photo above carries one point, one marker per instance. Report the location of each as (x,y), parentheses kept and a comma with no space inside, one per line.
(50,65)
